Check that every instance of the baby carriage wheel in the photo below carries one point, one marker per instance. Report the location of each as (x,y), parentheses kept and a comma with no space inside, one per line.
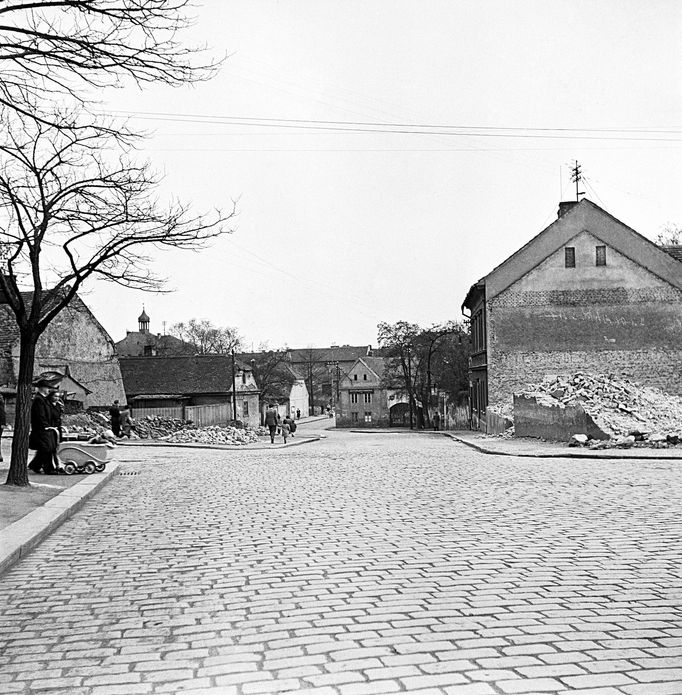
(69,468)
(99,467)
(89,467)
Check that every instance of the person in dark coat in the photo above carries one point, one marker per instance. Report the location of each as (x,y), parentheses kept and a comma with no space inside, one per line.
(3,421)
(43,437)
(436,421)
(271,417)
(115,415)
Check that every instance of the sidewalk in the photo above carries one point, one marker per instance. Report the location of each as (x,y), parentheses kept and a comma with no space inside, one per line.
(536,448)
(533,448)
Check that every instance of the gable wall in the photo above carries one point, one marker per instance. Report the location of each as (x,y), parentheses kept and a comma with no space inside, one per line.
(76,339)
(619,319)
(379,401)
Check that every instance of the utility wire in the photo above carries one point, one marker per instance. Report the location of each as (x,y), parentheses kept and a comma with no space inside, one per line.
(413,128)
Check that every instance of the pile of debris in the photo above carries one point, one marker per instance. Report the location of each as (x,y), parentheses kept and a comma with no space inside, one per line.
(214,435)
(625,411)
(157,427)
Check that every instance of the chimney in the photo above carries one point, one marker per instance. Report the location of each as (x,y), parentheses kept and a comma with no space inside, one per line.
(565,206)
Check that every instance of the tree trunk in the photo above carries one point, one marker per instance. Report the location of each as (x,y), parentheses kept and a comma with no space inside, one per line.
(18,469)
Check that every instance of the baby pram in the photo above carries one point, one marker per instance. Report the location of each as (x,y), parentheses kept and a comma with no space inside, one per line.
(81,457)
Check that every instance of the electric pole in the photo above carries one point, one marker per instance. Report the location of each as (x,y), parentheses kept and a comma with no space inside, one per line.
(576,177)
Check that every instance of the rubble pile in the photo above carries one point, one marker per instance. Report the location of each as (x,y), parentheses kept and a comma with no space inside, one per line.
(157,427)
(626,411)
(214,435)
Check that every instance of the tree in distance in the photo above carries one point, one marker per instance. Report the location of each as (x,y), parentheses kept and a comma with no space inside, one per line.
(73,209)
(203,338)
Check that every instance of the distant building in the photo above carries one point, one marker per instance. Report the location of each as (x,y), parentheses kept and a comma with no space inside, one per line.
(192,387)
(144,343)
(588,293)
(322,369)
(370,397)
(75,345)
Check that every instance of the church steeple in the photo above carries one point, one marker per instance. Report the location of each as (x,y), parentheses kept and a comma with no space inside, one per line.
(143,321)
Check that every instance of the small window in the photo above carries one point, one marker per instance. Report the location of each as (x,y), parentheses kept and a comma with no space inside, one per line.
(148,351)
(354,417)
(354,398)
(243,377)
(245,409)
(364,377)
(601,255)
(368,416)
(368,397)
(569,256)
(355,377)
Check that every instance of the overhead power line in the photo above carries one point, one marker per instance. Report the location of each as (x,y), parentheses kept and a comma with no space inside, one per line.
(622,134)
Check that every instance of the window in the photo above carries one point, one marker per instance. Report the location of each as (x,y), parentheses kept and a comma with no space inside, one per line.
(245,409)
(368,417)
(354,397)
(364,377)
(354,417)
(368,397)
(569,256)
(355,377)
(148,351)
(601,255)
(243,377)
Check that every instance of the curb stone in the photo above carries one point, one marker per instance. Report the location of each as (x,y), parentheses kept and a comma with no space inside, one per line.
(220,447)
(19,538)
(584,454)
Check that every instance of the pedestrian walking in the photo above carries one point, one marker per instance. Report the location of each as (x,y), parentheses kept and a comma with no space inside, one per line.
(271,416)
(3,421)
(286,429)
(115,415)
(298,413)
(436,421)
(292,424)
(43,436)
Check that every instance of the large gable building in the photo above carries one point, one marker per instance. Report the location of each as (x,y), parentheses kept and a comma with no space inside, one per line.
(588,293)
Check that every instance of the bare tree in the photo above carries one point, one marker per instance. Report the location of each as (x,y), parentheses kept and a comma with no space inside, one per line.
(207,339)
(73,211)
(670,236)
(50,49)
(273,374)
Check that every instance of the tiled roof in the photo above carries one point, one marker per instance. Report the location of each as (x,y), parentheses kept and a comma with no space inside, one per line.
(188,375)
(341,353)
(674,250)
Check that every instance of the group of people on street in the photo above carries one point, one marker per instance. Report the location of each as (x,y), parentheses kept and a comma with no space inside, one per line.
(46,427)
(276,425)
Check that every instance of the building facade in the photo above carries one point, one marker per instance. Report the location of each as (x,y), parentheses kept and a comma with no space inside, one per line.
(76,345)
(586,294)
(196,387)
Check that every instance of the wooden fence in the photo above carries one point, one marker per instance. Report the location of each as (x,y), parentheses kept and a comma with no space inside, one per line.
(204,415)
(200,415)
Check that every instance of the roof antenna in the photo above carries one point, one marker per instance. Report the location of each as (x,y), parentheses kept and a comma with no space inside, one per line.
(576,177)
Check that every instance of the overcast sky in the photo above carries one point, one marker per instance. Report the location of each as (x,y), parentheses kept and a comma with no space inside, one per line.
(340,230)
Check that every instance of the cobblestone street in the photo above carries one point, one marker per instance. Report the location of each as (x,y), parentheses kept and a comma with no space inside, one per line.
(359,564)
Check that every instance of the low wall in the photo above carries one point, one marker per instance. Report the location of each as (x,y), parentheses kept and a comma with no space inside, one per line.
(554,422)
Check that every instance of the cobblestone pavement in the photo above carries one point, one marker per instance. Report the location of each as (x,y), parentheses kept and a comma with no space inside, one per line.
(360,564)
